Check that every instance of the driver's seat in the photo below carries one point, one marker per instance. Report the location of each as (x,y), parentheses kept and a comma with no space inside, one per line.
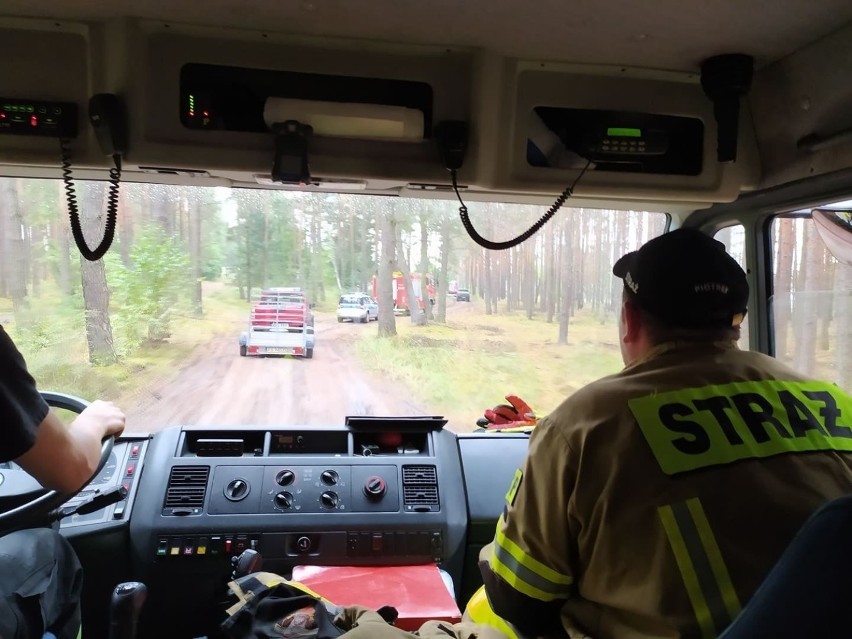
(807,593)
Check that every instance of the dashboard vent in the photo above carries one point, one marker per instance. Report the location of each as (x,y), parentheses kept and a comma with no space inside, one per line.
(186,490)
(420,488)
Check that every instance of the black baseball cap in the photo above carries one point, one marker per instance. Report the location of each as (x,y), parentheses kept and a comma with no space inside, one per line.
(686,279)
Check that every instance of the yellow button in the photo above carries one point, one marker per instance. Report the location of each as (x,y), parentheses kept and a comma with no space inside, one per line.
(201,550)
(174,550)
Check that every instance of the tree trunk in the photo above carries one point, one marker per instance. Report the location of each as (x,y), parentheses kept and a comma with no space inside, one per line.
(418,317)
(424,265)
(264,264)
(384,284)
(125,228)
(581,244)
(162,209)
(443,284)
(486,281)
(353,252)
(530,277)
(35,248)
(782,297)
(826,300)
(13,258)
(369,266)
(93,279)
(550,286)
(247,230)
(565,293)
(843,309)
(804,353)
(195,252)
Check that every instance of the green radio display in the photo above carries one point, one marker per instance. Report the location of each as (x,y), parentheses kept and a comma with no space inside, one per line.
(623,132)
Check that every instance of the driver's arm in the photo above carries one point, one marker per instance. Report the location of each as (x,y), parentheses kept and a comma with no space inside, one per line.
(59,457)
(65,457)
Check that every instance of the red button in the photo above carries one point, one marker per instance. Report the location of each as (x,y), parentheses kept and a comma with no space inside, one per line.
(134,451)
(130,469)
(228,543)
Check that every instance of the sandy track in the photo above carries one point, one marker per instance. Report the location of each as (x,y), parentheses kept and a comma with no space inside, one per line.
(217,387)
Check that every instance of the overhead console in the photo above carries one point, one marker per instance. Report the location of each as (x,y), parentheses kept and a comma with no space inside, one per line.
(371,105)
(266,109)
(640,134)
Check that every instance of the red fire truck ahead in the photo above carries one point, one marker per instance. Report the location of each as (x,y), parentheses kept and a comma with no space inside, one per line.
(400,299)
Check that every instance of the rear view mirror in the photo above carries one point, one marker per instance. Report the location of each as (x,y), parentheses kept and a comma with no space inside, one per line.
(835,230)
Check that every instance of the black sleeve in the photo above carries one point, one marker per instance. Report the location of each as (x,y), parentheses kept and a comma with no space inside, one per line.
(22,407)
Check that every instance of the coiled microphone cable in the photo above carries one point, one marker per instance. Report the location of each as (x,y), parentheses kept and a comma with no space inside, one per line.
(523,237)
(73,210)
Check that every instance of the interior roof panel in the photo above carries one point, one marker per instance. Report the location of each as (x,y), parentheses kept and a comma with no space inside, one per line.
(664,34)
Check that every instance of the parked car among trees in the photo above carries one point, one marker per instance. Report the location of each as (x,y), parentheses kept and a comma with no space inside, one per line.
(357,306)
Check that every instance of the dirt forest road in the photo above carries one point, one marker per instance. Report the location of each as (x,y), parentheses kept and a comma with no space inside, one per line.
(217,387)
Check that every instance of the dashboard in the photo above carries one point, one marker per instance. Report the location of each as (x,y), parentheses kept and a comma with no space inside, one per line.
(375,491)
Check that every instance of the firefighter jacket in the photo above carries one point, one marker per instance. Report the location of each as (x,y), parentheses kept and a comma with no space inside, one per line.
(653,502)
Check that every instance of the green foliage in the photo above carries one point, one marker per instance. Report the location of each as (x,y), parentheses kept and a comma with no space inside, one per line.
(147,293)
(45,329)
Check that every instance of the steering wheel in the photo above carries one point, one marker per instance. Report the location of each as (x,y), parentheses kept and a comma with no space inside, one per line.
(43,501)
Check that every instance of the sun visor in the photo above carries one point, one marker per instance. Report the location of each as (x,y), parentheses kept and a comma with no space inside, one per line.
(347,119)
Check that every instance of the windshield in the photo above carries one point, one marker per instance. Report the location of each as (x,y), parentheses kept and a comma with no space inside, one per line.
(217,306)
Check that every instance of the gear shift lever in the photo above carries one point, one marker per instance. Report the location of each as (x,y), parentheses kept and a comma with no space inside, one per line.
(124,609)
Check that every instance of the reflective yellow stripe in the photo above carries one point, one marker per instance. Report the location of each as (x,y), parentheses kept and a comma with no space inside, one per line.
(720,570)
(480,612)
(525,574)
(687,571)
(513,489)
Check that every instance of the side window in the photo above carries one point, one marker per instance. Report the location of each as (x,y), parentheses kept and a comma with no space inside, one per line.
(733,237)
(811,303)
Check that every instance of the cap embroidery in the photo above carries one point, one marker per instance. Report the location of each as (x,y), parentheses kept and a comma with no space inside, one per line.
(712,287)
(631,284)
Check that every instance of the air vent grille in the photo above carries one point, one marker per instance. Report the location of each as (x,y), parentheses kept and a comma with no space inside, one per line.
(187,487)
(420,487)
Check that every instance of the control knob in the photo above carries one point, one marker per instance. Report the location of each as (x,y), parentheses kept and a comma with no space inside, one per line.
(329,477)
(329,499)
(375,487)
(284,500)
(285,477)
(237,489)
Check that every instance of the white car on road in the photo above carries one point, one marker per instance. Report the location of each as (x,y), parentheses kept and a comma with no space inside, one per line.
(357,307)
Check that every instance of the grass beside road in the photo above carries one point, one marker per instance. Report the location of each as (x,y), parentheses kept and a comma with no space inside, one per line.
(470,364)
(57,356)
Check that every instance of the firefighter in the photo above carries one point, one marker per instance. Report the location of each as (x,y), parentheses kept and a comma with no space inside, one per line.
(653,502)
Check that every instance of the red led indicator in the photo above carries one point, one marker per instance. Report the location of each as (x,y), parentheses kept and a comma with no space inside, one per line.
(192,114)
(2,116)
(206,114)
(33,120)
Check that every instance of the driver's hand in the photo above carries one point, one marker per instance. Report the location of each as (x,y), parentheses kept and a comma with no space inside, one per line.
(104,418)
